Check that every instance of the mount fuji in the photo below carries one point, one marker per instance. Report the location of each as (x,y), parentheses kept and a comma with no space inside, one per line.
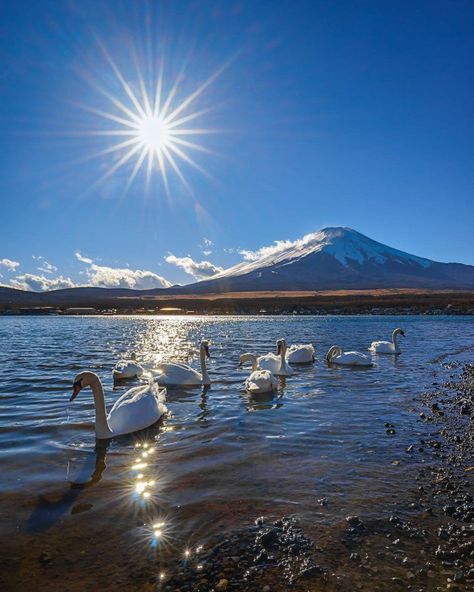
(336,259)
(330,259)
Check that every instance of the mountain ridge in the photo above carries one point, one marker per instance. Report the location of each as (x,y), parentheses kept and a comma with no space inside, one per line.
(333,258)
(338,258)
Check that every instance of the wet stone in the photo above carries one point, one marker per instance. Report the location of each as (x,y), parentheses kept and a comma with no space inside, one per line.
(222,585)
(269,538)
(45,558)
(354,522)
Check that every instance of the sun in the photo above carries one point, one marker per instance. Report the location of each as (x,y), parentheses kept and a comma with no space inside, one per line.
(153,131)
(153,134)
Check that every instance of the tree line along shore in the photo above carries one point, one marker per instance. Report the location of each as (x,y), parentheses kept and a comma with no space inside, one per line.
(284,303)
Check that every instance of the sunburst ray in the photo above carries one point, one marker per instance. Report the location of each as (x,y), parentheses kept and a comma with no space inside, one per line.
(153,129)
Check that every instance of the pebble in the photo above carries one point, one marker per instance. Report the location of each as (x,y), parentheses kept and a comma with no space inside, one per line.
(269,538)
(45,557)
(354,521)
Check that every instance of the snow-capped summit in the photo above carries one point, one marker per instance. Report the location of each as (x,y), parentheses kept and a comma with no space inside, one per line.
(336,258)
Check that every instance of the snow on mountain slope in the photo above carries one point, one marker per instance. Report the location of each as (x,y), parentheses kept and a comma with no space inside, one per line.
(344,244)
(336,258)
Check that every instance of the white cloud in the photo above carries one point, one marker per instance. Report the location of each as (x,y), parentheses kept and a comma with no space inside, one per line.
(40,283)
(97,275)
(81,258)
(279,246)
(206,246)
(113,277)
(103,276)
(45,267)
(274,249)
(199,269)
(9,264)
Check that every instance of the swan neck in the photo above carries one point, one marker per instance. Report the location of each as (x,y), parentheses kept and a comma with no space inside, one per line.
(102,429)
(244,358)
(205,375)
(283,357)
(394,339)
(254,362)
(334,351)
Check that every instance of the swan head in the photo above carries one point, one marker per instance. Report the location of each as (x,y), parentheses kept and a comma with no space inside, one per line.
(82,380)
(244,358)
(281,346)
(399,331)
(334,351)
(205,347)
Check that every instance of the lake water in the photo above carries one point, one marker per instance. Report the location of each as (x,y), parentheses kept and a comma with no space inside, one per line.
(220,458)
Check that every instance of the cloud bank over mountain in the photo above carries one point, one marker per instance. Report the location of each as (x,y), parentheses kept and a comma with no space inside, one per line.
(198,269)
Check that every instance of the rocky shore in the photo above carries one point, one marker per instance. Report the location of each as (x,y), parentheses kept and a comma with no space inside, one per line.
(426,545)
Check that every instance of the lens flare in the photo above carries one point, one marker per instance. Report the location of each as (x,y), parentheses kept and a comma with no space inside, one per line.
(154,128)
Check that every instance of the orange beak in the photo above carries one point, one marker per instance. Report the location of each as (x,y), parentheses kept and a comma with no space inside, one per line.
(75,392)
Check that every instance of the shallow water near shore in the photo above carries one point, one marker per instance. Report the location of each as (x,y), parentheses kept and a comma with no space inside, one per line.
(101,513)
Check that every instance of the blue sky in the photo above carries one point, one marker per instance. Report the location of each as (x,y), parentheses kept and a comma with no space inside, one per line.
(335,113)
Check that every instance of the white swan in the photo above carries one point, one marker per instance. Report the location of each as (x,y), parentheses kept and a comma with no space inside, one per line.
(137,409)
(127,369)
(170,374)
(276,364)
(260,381)
(335,355)
(387,347)
(300,354)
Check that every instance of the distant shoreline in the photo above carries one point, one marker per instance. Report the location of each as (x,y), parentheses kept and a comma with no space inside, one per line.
(363,302)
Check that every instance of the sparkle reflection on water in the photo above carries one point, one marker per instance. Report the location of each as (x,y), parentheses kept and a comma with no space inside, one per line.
(220,457)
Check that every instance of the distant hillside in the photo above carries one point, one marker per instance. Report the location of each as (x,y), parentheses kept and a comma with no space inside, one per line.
(68,297)
(330,259)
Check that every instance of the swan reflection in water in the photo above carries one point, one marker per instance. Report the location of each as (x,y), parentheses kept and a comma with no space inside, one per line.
(51,508)
(100,450)
(202,415)
(261,401)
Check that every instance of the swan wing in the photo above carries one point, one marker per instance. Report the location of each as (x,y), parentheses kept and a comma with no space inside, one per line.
(354,358)
(261,381)
(127,369)
(269,362)
(382,347)
(137,409)
(178,374)
(300,354)
(163,365)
